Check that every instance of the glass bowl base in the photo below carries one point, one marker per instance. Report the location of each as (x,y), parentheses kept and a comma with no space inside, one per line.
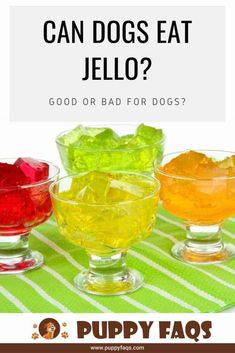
(182,253)
(26,261)
(120,283)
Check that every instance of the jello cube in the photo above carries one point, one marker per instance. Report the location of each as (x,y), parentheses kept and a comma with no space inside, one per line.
(11,175)
(93,131)
(16,207)
(197,165)
(228,162)
(124,140)
(73,137)
(149,133)
(137,141)
(91,187)
(106,138)
(121,190)
(40,198)
(33,169)
(187,163)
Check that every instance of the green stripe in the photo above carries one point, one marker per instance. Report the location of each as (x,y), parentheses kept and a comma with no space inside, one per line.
(190,273)
(164,282)
(60,293)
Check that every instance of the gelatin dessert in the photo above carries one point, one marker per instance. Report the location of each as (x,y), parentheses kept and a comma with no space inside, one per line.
(106,213)
(96,148)
(199,187)
(24,203)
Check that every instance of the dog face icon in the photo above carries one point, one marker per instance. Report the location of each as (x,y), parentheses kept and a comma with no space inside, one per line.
(49,329)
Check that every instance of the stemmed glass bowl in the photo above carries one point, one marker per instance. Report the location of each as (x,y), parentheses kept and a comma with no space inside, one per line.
(203,204)
(21,209)
(106,229)
(136,159)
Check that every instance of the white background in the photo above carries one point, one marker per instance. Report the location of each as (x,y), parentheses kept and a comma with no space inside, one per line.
(37,139)
(22,326)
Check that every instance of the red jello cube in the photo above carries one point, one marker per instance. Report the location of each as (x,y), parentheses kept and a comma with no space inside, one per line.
(16,207)
(33,169)
(41,198)
(11,175)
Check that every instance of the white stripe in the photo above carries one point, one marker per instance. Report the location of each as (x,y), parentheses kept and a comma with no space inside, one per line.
(195,268)
(177,278)
(43,294)
(68,257)
(217,279)
(73,289)
(14,300)
(168,236)
(229,234)
(172,298)
(232,219)
(138,305)
(58,249)
(166,294)
(225,268)
(177,224)
(64,253)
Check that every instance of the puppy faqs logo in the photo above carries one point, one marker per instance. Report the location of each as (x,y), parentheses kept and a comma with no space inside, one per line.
(49,329)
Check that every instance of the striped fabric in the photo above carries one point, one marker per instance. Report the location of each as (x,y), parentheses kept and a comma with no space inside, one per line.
(170,286)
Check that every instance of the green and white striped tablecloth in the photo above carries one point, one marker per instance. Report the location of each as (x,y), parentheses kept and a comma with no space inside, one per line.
(170,286)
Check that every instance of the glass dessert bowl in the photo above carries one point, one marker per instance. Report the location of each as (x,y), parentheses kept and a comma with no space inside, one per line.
(24,203)
(199,187)
(105,149)
(106,213)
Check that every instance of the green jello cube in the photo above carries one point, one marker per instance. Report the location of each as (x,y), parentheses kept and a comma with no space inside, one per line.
(149,134)
(106,138)
(124,140)
(73,136)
